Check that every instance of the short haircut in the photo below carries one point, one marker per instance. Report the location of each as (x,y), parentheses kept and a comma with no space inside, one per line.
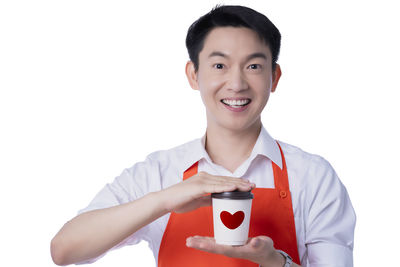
(234,16)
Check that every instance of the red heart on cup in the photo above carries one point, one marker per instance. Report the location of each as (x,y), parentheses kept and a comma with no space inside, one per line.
(232,221)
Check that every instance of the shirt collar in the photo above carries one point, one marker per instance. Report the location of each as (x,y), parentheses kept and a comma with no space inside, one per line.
(265,146)
(193,152)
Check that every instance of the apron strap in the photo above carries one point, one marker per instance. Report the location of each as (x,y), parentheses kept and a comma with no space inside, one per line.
(281,180)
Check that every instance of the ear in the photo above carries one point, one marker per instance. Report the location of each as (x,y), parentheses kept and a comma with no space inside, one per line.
(276,76)
(191,75)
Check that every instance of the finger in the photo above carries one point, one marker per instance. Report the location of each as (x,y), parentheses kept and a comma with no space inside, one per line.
(205,201)
(221,186)
(202,243)
(258,244)
(242,186)
(224,179)
(217,184)
(235,180)
(247,187)
(195,204)
(241,183)
(208,244)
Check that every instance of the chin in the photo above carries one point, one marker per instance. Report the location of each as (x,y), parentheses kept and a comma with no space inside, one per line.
(237,125)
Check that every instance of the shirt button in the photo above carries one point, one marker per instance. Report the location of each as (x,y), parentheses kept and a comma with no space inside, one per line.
(282,194)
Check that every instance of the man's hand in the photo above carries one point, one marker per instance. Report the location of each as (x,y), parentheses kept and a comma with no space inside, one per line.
(259,250)
(195,191)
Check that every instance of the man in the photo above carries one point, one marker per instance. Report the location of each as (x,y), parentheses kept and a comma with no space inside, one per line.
(303,210)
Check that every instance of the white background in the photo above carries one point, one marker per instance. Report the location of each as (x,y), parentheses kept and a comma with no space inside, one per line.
(88,88)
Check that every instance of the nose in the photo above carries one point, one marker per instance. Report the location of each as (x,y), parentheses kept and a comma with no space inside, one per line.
(237,81)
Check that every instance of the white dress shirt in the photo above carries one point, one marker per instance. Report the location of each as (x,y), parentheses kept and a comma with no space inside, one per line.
(324,216)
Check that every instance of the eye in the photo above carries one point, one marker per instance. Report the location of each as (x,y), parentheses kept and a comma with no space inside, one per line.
(218,66)
(255,66)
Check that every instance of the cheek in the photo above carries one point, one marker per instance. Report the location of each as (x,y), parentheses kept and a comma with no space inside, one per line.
(214,85)
(263,86)
(263,90)
(210,85)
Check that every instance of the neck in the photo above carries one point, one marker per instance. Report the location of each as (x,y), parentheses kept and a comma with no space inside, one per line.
(229,148)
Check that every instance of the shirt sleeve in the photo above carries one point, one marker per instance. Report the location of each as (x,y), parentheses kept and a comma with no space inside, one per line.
(331,219)
(131,184)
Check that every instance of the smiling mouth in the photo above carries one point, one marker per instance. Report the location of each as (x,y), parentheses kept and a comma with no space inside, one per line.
(236,103)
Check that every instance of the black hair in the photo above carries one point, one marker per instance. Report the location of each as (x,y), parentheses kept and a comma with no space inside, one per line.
(236,16)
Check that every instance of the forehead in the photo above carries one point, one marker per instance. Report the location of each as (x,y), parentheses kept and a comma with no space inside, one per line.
(233,41)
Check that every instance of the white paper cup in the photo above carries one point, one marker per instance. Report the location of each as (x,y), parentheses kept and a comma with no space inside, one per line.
(231,216)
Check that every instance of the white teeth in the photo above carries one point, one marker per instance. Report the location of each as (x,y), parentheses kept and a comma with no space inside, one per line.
(235,103)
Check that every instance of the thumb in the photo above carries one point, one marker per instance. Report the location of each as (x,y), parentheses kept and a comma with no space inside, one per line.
(255,242)
(205,201)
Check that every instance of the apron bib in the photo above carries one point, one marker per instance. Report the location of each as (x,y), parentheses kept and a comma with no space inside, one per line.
(271,215)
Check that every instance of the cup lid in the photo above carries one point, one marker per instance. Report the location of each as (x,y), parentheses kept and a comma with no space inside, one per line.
(233,195)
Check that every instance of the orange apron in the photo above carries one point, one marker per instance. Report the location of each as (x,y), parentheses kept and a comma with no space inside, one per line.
(271,215)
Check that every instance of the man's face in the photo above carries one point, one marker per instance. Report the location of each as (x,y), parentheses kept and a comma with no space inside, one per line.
(234,77)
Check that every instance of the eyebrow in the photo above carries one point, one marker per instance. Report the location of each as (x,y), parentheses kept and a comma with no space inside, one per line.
(249,57)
